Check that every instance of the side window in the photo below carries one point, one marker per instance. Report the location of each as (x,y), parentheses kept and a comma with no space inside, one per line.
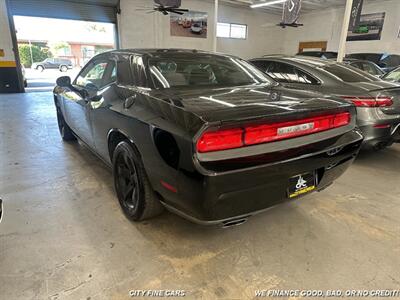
(369,68)
(262,65)
(110,73)
(357,65)
(124,71)
(92,75)
(139,73)
(286,73)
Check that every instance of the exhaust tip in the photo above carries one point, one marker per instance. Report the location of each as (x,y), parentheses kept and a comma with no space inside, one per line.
(235,222)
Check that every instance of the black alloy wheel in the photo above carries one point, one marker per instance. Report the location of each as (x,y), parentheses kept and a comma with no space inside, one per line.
(135,194)
(127,182)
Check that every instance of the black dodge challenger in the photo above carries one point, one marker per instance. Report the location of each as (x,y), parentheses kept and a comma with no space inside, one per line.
(207,136)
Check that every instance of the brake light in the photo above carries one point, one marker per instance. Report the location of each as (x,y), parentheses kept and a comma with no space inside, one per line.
(251,135)
(281,131)
(220,140)
(380,101)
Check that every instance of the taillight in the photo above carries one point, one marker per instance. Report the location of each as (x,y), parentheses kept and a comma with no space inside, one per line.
(380,101)
(252,135)
(220,140)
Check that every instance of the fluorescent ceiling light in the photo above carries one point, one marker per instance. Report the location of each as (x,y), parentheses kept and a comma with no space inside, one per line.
(267,3)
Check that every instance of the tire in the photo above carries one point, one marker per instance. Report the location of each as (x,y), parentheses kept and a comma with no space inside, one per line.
(65,131)
(40,68)
(63,68)
(25,83)
(135,194)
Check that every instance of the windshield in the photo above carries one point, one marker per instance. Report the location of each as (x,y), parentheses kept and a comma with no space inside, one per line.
(203,70)
(348,73)
(393,76)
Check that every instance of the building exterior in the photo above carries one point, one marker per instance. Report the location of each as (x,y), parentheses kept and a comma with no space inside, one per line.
(77,52)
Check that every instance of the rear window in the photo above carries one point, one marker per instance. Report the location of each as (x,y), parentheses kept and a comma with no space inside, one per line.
(391,60)
(348,73)
(203,70)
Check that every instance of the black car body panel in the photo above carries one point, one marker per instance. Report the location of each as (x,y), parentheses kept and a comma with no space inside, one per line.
(212,187)
(380,125)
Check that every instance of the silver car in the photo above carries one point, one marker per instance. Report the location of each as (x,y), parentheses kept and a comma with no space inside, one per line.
(377,101)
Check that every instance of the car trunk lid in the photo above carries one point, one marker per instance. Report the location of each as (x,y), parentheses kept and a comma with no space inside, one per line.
(252,103)
(381,89)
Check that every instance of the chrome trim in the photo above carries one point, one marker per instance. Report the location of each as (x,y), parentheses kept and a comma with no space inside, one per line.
(395,129)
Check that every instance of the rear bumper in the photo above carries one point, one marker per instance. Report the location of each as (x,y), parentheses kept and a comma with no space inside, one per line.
(220,197)
(377,134)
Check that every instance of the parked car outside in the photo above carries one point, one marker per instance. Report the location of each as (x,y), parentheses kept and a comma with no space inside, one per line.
(386,61)
(365,65)
(377,101)
(53,63)
(197,27)
(182,129)
(393,76)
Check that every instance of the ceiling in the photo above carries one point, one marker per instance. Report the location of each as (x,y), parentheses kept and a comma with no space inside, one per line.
(307,5)
(111,3)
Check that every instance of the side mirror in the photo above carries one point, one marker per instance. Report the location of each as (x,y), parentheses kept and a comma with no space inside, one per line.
(64,81)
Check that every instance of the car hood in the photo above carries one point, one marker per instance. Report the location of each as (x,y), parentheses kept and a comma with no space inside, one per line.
(249,102)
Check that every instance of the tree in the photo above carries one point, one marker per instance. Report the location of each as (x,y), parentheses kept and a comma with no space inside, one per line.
(58,48)
(38,54)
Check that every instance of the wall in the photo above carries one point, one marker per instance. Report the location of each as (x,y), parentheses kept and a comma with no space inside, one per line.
(264,37)
(140,30)
(8,71)
(326,26)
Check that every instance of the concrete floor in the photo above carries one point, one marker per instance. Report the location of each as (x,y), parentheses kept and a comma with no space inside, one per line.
(63,235)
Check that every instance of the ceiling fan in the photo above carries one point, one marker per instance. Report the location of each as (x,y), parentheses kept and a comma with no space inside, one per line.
(166,7)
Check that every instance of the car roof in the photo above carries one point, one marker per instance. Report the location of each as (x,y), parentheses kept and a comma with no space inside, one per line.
(156,51)
(353,60)
(309,61)
(322,52)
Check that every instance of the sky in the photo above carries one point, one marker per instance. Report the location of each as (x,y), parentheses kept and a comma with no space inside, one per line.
(59,30)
